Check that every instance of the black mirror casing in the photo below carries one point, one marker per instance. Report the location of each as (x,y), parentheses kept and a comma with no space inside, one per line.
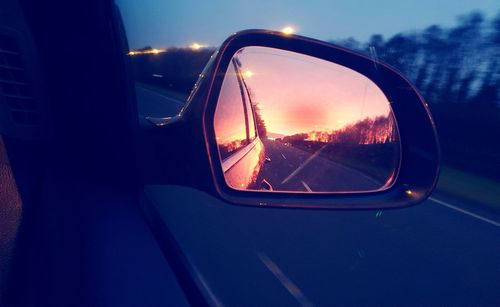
(185,152)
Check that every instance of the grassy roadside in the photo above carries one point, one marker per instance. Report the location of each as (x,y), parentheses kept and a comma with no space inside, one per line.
(470,187)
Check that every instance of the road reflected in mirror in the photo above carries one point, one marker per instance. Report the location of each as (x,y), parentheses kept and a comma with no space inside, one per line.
(288,122)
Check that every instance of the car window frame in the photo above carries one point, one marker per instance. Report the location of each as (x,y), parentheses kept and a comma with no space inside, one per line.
(240,153)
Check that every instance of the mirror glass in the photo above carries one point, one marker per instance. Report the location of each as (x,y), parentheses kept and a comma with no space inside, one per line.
(288,122)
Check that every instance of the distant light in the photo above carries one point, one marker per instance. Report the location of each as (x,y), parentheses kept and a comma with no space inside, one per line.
(409,192)
(248,73)
(147,51)
(196,46)
(288,30)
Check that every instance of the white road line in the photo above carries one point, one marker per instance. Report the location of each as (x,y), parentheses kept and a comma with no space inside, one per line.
(306,186)
(303,165)
(283,156)
(285,281)
(442,203)
(214,300)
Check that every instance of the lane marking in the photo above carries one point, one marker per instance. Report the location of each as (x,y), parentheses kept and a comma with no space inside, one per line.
(283,156)
(445,204)
(215,301)
(285,281)
(303,165)
(175,100)
(306,186)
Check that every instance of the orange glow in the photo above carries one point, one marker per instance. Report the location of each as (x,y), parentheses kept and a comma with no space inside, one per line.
(319,136)
(147,51)
(301,94)
(247,73)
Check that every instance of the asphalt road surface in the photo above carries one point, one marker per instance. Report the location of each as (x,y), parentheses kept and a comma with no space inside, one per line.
(443,252)
(293,169)
(154,104)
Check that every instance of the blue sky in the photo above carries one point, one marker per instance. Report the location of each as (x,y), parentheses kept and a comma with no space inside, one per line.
(162,23)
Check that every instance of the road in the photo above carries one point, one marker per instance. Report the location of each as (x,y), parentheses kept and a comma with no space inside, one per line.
(293,169)
(155,104)
(442,252)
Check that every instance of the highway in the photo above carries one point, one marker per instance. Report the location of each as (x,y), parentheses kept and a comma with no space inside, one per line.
(443,252)
(293,169)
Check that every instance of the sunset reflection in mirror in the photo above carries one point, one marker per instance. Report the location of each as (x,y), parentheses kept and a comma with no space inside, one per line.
(290,122)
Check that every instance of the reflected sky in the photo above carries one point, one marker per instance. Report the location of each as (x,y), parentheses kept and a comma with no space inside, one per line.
(229,118)
(298,93)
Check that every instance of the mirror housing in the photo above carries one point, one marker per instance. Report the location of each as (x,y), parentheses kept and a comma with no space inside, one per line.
(193,159)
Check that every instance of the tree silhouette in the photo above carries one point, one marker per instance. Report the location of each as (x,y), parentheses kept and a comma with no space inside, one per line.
(457,70)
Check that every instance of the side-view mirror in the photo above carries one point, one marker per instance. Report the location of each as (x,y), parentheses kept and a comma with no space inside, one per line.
(327,127)
(284,120)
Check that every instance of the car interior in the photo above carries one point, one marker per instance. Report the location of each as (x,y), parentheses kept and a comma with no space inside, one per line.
(71,166)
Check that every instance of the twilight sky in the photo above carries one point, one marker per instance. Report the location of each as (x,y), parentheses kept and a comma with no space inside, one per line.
(314,95)
(164,23)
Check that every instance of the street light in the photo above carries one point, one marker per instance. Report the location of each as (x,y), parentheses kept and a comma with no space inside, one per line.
(288,30)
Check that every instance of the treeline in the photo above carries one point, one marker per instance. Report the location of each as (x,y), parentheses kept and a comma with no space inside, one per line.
(457,70)
(368,131)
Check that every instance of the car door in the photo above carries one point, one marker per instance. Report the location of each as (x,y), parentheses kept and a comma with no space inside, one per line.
(239,145)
